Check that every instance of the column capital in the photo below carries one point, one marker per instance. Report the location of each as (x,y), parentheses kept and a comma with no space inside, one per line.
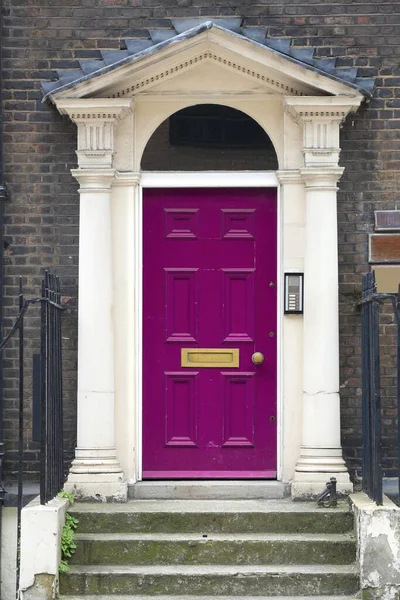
(321,178)
(289,176)
(95,119)
(94,180)
(127,178)
(321,118)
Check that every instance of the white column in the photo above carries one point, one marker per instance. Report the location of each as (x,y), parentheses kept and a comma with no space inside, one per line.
(292,226)
(96,472)
(321,453)
(127,247)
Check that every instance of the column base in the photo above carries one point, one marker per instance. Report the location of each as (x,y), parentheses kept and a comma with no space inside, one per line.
(314,469)
(306,485)
(97,476)
(97,487)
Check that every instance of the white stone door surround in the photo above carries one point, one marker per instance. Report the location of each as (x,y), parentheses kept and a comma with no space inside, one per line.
(116,115)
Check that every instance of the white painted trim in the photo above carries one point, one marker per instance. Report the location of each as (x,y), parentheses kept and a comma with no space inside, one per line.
(200,179)
(80,108)
(279,334)
(217,97)
(139,331)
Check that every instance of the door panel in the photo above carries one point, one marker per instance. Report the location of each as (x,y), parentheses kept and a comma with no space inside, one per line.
(209,303)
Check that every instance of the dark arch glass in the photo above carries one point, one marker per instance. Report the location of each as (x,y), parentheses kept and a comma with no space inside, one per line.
(209,137)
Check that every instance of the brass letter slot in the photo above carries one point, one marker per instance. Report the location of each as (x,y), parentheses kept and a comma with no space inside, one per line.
(210,357)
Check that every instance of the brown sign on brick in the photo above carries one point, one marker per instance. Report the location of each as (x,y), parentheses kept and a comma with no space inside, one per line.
(387,278)
(384,248)
(387,220)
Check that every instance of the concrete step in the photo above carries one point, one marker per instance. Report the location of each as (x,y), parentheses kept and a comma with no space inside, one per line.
(129,597)
(212,516)
(209,490)
(255,580)
(213,549)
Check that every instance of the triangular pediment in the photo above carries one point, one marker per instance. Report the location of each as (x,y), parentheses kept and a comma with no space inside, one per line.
(208,71)
(207,58)
(205,75)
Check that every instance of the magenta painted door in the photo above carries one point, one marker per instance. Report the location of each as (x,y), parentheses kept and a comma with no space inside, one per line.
(209,284)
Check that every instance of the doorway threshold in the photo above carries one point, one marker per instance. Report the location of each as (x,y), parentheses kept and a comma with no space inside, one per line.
(208,490)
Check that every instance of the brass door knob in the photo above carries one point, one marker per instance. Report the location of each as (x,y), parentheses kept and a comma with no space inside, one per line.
(258,358)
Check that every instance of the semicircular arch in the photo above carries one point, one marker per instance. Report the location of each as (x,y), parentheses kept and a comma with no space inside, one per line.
(151,115)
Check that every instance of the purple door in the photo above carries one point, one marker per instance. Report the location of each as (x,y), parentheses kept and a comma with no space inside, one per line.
(209,304)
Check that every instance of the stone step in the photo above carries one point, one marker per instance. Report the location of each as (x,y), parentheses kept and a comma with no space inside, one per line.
(129,597)
(255,580)
(212,516)
(216,549)
(208,490)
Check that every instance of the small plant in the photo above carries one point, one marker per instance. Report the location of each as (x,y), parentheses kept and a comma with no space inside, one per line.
(68,545)
(68,495)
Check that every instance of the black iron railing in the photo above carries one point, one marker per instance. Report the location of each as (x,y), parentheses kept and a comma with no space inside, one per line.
(372,471)
(51,429)
(51,438)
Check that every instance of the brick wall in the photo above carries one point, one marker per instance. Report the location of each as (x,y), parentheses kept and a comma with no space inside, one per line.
(40,36)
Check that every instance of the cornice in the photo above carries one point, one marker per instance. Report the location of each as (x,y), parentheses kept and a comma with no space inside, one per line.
(316,108)
(90,110)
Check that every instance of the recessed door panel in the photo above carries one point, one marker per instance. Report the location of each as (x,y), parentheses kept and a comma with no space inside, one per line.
(181,305)
(239,409)
(181,409)
(238,304)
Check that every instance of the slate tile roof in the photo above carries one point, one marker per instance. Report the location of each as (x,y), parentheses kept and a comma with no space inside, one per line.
(182,29)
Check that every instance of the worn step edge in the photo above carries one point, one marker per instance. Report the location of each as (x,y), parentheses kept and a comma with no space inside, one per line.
(129,597)
(215,549)
(176,516)
(194,570)
(233,523)
(209,507)
(196,581)
(197,490)
(215,537)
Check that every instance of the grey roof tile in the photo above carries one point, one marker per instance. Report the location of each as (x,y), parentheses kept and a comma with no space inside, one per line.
(161,35)
(69,74)
(185,28)
(365,84)
(135,46)
(111,57)
(305,55)
(258,34)
(91,66)
(326,64)
(49,86)
(347,74)
(279,44)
